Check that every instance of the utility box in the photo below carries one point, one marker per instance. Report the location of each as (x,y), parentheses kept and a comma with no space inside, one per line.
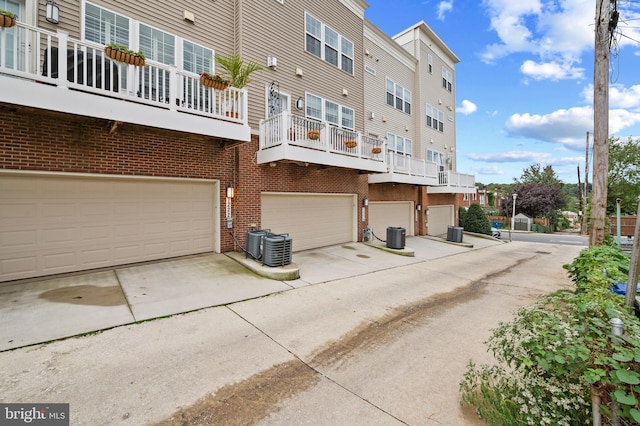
(396,237)
(276,249)
(454,234)
(253,244)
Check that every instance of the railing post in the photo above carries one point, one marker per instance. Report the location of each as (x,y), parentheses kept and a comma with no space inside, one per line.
(63,40)
(284,127)
(173,87)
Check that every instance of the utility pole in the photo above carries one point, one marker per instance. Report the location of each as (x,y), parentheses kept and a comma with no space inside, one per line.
(580,204)
(601,120)
(585,190)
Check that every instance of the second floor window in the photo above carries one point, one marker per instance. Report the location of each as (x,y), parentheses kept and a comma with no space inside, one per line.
(331,112)
(398,97)
(435,118)
(327,44)
(105,27)
(399,144)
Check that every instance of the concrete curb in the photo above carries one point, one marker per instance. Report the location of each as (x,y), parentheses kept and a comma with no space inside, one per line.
(288,272)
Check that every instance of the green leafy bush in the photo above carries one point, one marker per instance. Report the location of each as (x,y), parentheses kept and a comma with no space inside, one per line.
(462,214)
(557,352)
(476,220)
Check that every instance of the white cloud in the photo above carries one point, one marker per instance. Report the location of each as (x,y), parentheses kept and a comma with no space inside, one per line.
(551,70)
(564,126)
(467,107)
(444,7)
(511,157)
(555,32)
(488,170)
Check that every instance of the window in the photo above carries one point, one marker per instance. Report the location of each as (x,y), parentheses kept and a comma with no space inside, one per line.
(327,44)
(430,63)
(399,144)
(435,118)
(11,34)
(105,27)
(196,59)
(447,78)
(398,97)
(157,45)
(314,106)
(333,113)
(347,118)
(331,46)
(436,157)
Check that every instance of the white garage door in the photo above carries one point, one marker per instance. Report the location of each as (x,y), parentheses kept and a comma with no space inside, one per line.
(440,217)
(383,214)
(312,220)
(51,224)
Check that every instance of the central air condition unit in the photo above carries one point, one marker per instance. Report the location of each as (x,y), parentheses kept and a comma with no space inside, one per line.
(276,249)
(253,244)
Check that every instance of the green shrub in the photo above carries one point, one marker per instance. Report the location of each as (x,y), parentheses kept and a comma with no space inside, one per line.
(555,353)
(462,214)
(476,220)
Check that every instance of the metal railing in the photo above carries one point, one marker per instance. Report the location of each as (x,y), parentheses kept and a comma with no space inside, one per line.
(53,58)
(285,128)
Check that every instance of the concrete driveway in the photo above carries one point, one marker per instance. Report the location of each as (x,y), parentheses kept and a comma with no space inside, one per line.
(41,310)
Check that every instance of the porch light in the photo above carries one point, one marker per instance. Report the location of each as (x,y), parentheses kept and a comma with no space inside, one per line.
(53,13)
(230,191)
(300,103)
(365,201)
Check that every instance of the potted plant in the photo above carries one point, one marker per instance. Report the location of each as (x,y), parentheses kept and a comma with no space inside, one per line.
(236,70)
(122,53)
(313,134)
(7,19)
(213,81)
(351,143)
(376,150)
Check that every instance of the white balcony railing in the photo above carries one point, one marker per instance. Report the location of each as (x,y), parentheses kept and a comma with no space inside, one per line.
(406,164)
(53,58)
(454,179)
(293,130)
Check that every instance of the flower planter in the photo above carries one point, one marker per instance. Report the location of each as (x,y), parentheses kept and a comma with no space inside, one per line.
(313,134)
(350,143)
(7,21)
(376,150)
(213,83)
(124,57)
(231,114)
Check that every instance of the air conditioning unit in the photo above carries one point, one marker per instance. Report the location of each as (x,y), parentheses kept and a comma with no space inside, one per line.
(253,244)
(276,250)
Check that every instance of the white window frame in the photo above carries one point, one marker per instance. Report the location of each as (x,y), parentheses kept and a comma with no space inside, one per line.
(83,25)
(436,157)
(447,79)
(343,44)
(401,96)
(393,142)
(343,112)
(434,118)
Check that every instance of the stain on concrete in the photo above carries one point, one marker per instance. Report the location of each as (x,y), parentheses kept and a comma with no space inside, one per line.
(89,295)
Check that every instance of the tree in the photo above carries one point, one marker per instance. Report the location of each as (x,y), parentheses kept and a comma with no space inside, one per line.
(534,174)
(462,214)
(535,200)
(624,175)
(476,220)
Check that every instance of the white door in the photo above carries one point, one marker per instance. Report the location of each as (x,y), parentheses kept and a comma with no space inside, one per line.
(383,214)
(312,220)
(440,218)
(51,224)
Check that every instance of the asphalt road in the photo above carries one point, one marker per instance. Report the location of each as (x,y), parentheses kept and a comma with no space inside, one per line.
(569,239)
(382,348)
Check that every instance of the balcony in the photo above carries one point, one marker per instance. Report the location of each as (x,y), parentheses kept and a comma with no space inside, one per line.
(299,139)
(49,70)
(404,168)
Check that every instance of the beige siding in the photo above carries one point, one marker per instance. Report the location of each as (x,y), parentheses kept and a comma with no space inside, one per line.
(272,28)
(389,60)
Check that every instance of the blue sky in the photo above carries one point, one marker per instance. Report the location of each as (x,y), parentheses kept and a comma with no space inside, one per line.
(524,85)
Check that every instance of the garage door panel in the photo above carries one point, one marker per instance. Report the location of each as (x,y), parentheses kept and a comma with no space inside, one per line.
(440,217)
(53,224)
(312,220)
(383,214)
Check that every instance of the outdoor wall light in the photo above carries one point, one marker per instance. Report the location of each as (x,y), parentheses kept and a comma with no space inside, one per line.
(300,103)
(230,191)
(53,12)
(365,201)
